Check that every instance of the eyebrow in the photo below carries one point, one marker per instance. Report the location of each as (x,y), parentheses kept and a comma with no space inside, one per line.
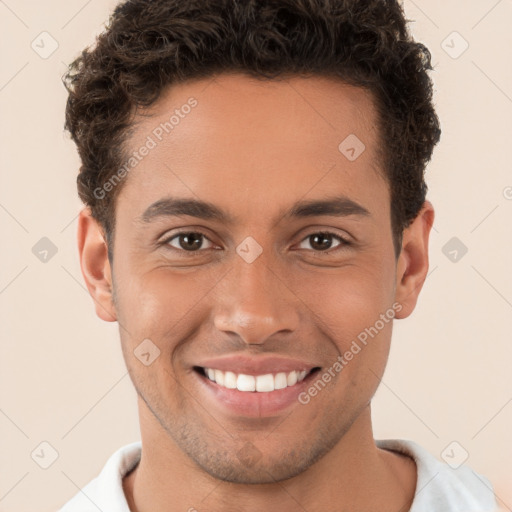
(339,206)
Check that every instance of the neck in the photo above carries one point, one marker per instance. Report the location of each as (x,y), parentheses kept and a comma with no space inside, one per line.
(353,475)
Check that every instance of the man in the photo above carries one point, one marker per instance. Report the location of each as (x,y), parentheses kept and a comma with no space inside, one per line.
(256,219)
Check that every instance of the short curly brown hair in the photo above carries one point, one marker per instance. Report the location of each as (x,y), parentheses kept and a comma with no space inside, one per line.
(148,45)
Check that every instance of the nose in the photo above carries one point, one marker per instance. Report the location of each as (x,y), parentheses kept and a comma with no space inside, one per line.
(255,301)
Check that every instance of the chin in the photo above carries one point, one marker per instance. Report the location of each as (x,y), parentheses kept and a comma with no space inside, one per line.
(238,472)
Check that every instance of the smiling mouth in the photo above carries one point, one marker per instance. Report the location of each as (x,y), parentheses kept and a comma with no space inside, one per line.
(255,383)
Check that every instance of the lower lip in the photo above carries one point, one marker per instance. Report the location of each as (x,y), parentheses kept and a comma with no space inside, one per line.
(253,404)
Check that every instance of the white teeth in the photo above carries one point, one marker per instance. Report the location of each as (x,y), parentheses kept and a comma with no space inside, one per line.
(219,377)
(230,380)
(265,382)
(260,383)
(244,383)
(280,381)
(291,379)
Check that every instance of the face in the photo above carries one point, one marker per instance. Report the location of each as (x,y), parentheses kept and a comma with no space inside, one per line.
(248,241)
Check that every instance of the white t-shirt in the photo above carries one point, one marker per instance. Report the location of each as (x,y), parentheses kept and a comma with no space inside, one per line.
(439,488)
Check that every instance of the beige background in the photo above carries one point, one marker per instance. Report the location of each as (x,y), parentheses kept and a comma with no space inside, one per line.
(62,377)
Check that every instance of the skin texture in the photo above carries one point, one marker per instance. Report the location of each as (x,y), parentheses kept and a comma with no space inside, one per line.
(254,149)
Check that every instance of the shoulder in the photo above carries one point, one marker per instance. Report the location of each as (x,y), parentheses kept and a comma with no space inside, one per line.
(441,487)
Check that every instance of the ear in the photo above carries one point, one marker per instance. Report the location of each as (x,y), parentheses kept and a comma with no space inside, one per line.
(412,265)
(95,265)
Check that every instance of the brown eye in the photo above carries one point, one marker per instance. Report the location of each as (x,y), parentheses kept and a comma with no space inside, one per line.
(323,241)
(190,241)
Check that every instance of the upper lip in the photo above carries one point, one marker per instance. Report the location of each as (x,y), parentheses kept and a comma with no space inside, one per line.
(254,365)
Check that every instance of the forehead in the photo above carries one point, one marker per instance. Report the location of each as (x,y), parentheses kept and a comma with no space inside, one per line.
(239,139)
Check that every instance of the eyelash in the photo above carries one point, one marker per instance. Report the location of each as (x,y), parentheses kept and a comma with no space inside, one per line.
(343,245)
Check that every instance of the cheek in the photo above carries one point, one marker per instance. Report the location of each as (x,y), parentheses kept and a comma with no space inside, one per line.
(348,305)
(160,305)
(160,311)
(351,300)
